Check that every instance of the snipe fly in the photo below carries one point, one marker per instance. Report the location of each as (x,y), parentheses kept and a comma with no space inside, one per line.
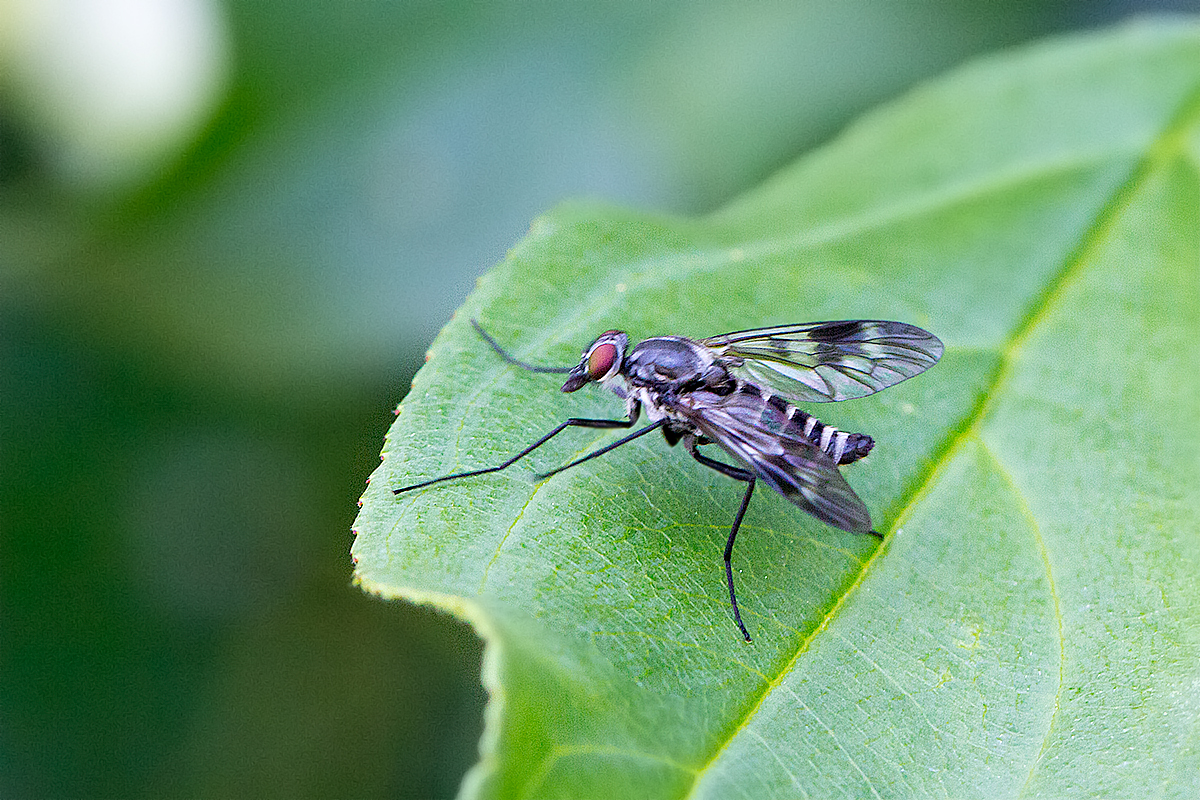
(739,391)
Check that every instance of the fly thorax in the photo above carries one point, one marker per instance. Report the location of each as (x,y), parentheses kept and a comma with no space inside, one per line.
(667,362)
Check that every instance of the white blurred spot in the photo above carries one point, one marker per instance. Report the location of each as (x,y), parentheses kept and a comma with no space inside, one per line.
(112,88)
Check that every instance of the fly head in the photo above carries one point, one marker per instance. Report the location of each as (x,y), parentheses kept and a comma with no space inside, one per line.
(601,360)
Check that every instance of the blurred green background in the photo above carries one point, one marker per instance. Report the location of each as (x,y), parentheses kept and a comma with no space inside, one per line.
(227,233)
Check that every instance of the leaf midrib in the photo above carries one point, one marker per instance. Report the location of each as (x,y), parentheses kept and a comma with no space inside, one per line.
(1165,145)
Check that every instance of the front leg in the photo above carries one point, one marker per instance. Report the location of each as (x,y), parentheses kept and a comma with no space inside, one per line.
(574,422)
(626,440)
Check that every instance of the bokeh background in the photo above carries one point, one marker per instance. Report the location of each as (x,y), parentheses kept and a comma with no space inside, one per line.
(228,230)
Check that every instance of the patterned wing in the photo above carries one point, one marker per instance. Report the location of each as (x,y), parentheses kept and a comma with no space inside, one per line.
(760,435)
(823,362)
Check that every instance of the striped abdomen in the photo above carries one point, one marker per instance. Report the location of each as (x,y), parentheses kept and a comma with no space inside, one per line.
(842,447)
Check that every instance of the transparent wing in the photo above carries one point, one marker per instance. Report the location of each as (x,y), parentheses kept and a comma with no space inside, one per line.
(822,362)
(761,436)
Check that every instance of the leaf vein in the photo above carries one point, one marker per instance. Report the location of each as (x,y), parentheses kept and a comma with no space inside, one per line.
(1031,520)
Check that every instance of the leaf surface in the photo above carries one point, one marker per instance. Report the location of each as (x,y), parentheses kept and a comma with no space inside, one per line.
(1031,625)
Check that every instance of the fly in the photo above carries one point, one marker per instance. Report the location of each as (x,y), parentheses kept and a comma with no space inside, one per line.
(739,391)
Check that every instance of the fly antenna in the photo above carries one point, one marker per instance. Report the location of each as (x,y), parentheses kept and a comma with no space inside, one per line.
(500,351)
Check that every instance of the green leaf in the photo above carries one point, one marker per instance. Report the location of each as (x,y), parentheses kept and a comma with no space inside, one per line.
(1031,625)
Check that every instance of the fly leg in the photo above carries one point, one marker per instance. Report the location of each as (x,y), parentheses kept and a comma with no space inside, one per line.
(625,440)
(738,474)
(573,422)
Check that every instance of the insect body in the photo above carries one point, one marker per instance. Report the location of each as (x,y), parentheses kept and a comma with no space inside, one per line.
(739,391)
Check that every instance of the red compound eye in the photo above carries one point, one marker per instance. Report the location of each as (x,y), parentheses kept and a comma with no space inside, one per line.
(601,360)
